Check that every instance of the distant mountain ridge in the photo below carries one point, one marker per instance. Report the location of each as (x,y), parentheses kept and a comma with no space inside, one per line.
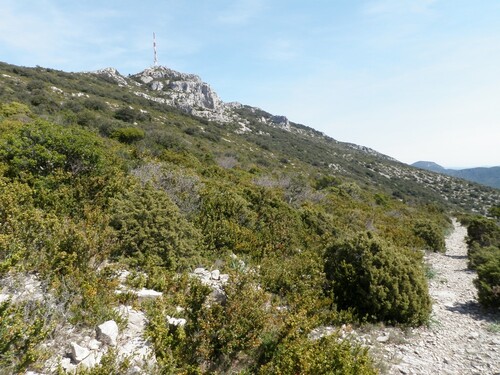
(486,176)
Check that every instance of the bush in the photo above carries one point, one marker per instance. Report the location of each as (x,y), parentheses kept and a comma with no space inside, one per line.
(95,104)
(40,148)
(151,229)
(377,280)
(127,114)
(128,135)
(299,277)
(431,234)
(324,356)
(291,351)
(22,330)
(495,212)
(487,263)
(217,335)
(483,231)
(223,332)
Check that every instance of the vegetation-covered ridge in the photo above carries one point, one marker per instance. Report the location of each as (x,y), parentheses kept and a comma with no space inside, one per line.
(486,176)
(95,180)
(165,105)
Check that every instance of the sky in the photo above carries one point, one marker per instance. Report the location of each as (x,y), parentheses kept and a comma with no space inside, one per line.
(412,79)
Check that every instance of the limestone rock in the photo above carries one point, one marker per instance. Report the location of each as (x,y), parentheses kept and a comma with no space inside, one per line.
(383,338)
(180,322)
(184,91)
(133,344)
(107,332)
(94,344)
(91,360)
(215,280)
(215,275)
(113,74)
(78,353)
(147,294)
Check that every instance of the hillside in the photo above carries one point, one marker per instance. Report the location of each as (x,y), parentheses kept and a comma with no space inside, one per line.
(485,176)
(174,108)
(148,227)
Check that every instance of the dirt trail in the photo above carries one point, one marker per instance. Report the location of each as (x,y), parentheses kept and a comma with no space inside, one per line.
(461,338)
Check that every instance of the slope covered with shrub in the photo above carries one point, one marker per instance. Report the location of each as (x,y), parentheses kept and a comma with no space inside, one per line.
(88,189)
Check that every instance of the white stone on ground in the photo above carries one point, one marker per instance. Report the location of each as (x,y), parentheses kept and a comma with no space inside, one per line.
(107,332)
(78,353)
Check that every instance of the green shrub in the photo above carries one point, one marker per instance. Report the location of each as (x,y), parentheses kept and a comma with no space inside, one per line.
(495,212)
(14,108)
(431,234)
(291,351)
(483,231)
(40,148)
(487,264)
(223,332)
(380,282)
(225,219)
(95,104)
(151,229)
(325,356)
(299,277)
(217,335)
(483,240)
(127,114)
(128,135)
(22,330)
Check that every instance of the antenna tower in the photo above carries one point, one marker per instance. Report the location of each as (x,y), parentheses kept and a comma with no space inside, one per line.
(154,50)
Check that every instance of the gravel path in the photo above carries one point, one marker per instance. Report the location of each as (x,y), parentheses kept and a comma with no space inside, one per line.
(461,338)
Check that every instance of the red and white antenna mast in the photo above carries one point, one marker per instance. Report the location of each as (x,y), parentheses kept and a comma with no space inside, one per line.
(154,50)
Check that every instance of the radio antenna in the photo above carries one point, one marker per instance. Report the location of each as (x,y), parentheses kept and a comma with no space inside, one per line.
(154,50)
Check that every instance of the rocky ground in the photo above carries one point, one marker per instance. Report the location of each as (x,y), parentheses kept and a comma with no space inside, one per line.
(461,338)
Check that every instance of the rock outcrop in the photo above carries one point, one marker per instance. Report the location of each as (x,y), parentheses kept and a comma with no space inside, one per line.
(184,91)
(190,94)
(215,280)
(107,332)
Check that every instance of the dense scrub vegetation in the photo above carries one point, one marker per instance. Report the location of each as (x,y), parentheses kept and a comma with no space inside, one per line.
(88,188)
(484,256)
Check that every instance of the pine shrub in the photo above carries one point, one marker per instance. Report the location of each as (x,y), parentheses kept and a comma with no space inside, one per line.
(151,230)
(380,282)
(487,262)
(431,234)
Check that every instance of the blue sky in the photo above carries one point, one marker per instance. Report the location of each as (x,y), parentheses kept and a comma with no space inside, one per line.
(414,79)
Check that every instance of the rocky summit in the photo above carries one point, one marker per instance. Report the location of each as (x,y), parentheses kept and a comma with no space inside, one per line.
(188,93)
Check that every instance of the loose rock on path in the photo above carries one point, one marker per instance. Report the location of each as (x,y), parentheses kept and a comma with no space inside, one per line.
(461,338)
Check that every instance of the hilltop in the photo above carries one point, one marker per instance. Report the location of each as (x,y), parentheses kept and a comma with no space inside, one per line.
(149,227)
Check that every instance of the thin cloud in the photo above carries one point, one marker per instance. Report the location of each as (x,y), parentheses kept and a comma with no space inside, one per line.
(241,12)
(281,50)
(398,7)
